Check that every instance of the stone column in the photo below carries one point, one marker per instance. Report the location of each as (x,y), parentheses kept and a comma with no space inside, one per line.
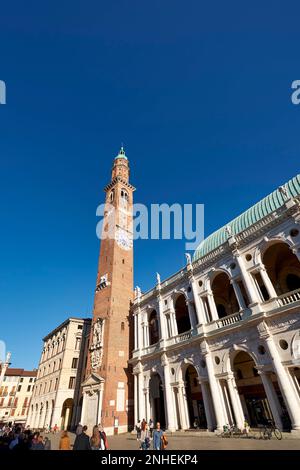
(226,402)
(212,306)
(238,294)
(267,282)
(207,405)
(141,404)
(147,403)
(248,283)
(294,381)
(162,319)
(235,402)
(272,398)
(185,410)
(139,329)
(100,400)
(173,319)
(135,331)
(136,399)
(191,315)
(289,396)
(215,392)
(198,304)
(169,402)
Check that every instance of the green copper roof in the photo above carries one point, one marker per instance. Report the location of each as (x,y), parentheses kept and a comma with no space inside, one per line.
(121,153)
(255,213)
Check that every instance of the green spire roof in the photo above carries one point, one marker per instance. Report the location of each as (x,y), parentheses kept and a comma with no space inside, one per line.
(121,153)
(255,213)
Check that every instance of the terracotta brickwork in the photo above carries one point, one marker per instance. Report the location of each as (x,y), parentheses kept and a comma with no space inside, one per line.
(113,299)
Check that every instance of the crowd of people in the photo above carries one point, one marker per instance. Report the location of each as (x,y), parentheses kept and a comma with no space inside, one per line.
(150,436)
(20,438)
(13,438)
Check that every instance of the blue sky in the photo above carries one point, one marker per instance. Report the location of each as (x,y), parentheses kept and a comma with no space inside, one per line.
(198,92)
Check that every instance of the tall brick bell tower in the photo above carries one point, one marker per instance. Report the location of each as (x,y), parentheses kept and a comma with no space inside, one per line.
(107,389)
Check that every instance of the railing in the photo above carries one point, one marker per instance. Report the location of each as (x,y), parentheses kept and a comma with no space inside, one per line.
(183,336)
(289,298)
(229,320)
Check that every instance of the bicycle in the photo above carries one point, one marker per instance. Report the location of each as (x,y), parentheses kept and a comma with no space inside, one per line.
(230,431)
(269,429)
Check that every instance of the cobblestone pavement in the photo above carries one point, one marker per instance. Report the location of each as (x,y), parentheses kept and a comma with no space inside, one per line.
(185,442)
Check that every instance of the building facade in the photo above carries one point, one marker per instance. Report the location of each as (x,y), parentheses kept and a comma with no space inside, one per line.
(57,396)
(219,341)
(15,395)
(108,385)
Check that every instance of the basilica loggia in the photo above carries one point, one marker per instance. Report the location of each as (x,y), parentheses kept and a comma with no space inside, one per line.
(219,341)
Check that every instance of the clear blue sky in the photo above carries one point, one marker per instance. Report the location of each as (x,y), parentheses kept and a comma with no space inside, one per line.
(199,92)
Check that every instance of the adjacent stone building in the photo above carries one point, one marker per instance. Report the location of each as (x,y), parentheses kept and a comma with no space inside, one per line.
(219,341)
(15,395)
(57,396)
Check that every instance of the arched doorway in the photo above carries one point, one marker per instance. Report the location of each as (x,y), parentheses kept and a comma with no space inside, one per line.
(195,403)
(253,389)
(182,315)
(66,413)
(157,401)
(224,295)
(153,328)
(283,268)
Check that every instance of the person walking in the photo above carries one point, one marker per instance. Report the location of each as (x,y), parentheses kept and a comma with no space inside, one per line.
(138,430)
(145,438)
(78,429)
(143,424)
(82,441)
(151,427)
(104,442)
(159,440)
(47,443)
(64,443)
(95,440)
(39,444)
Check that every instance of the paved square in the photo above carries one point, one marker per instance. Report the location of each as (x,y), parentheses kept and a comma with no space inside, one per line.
(183,441)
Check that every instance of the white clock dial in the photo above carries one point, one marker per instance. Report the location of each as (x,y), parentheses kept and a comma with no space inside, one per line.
(123,239)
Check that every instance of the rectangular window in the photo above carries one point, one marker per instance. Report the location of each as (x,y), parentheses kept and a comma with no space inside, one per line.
(79,327)
(16,402)
(21,380)
(25,402)
(56,384)
(72,382)
(28,388)
(12,412)
(30,380)
(19,388)
(1,402)
(9,401)
(74,362)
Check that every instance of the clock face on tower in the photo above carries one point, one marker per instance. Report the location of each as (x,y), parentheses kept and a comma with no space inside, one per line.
(123,239)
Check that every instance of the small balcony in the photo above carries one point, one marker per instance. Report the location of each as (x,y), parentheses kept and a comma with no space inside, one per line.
(289,298)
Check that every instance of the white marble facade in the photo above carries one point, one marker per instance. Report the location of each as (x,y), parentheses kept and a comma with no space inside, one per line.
(219,342)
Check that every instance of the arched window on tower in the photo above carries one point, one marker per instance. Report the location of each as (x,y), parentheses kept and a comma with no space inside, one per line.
(124,198)
(112,195)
